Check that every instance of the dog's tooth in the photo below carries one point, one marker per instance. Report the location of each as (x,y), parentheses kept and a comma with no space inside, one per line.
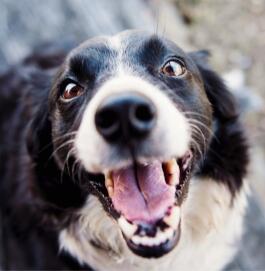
(172,166)
(173,180)
(150,242)
(127,228)
(156,241)
(172,171)
(109,184)
(160,238)
(173,219)
(136,239)
(108,179)
(110,190)
(169,233)
(145,241)
(167,166)
(142,240)
(163,238)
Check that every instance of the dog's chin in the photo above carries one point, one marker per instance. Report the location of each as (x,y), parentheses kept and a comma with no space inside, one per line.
(147,198)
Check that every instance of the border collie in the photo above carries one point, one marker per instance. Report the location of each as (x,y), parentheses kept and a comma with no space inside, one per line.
(125,153)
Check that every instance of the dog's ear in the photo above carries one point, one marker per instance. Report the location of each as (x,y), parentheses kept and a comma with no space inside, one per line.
(223,102)
(227,158)
(201,57)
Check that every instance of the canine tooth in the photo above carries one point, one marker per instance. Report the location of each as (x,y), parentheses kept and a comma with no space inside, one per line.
(110,190)
(108,179)
(127,228)
(109,184)
(173,180)
(173,219)
(172,170)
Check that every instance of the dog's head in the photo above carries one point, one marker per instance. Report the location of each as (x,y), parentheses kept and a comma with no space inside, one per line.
(132,120)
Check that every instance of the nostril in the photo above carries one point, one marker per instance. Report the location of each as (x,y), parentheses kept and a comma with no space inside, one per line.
(107,122)
(142,118)
(105,119)
(144,113)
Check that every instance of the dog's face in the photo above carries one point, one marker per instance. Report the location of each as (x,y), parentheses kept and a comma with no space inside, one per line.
(131,116)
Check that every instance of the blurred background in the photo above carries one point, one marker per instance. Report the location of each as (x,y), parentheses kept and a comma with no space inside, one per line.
(234,32)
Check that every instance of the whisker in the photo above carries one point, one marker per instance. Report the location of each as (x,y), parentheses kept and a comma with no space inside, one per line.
(196,114)
(196,129)
(70,152)
(197,148)
(75,167)
(66,163)
(57,139)
(65,135)
(194,121)
(60,147)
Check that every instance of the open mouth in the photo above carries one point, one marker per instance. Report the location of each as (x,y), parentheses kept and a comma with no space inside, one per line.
(148,198)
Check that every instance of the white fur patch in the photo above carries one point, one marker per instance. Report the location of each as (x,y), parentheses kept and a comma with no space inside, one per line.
(211,227)
(169,138)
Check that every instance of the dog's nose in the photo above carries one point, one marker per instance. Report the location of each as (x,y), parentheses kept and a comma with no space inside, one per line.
(125,116)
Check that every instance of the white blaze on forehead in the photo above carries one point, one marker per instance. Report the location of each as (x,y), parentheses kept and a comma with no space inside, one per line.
(169,138)
(115,43)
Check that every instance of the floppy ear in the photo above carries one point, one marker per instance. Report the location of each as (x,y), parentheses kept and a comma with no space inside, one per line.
(223,102)
(227,157)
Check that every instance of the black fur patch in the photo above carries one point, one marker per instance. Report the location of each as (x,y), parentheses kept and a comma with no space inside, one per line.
(38,196)
(227,157)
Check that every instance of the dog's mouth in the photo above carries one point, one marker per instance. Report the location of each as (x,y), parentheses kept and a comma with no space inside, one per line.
(148,198)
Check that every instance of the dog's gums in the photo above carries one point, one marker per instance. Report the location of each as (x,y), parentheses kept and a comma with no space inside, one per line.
(148,198)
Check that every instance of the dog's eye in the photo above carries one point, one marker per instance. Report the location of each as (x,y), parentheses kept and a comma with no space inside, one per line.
(173,68)
(71,91)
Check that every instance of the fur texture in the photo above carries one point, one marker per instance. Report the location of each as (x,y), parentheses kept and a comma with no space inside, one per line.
(49,199)
(211,226)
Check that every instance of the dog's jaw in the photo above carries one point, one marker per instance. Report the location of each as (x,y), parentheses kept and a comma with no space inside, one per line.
(207,220)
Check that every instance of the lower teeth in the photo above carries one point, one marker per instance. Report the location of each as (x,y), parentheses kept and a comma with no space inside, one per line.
(171,222)
(160,238)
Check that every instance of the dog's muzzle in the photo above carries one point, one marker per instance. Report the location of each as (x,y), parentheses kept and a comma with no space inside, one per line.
(139,141)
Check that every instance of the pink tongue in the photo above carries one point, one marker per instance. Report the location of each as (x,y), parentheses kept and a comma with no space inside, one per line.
(145,198)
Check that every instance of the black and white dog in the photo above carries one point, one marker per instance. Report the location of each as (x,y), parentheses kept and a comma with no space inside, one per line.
(125,154)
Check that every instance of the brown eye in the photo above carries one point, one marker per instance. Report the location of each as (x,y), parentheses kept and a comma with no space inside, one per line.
(173,68)
(71,91)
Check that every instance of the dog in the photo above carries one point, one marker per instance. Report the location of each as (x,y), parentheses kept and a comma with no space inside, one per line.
(123,153)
